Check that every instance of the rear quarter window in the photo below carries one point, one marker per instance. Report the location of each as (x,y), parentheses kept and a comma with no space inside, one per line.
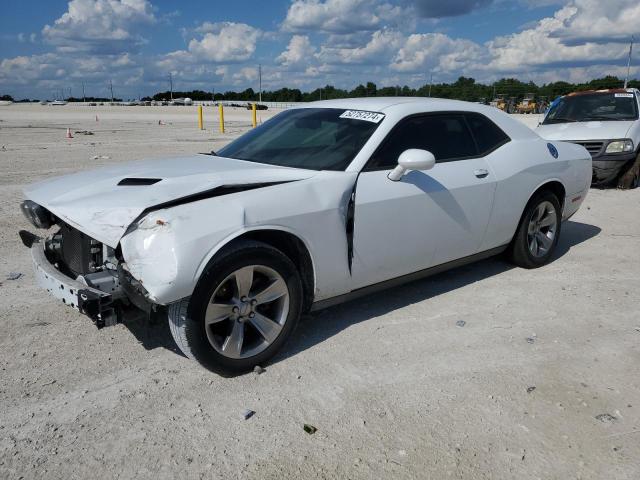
(487,134)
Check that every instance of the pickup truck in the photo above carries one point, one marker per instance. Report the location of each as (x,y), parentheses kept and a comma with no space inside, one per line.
(606,123)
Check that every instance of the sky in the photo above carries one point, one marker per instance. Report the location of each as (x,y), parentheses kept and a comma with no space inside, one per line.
(48,45)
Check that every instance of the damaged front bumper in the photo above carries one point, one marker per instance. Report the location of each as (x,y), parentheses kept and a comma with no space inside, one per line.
(103,307)
(606,168)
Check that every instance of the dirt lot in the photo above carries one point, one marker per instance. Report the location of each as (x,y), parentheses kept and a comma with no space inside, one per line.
(542,381)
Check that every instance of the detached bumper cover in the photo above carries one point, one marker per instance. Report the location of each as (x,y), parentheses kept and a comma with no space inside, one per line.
(607,167)
(96,304)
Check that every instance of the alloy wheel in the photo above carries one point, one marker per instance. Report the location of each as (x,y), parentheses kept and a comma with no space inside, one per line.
(542,229)
(247,311)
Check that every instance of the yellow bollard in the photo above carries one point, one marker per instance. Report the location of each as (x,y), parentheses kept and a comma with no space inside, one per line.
(221,110)
(200,126)
(253,116)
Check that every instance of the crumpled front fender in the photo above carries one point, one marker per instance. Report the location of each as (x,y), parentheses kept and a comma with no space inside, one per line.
(165,249)
(168,249)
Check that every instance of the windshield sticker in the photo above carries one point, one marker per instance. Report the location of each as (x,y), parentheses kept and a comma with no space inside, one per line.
(362,115)
(624,95)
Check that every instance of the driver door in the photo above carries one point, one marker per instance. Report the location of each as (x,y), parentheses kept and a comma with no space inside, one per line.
(427,217)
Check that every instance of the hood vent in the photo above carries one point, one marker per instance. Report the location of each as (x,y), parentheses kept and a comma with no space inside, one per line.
(138,182)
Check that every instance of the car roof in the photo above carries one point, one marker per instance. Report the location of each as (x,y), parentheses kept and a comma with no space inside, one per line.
(380,104)
(399,107)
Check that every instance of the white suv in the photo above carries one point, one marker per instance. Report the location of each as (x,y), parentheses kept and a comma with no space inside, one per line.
(606,123)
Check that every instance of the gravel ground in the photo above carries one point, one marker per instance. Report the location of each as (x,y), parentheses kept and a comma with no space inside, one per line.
(483,372)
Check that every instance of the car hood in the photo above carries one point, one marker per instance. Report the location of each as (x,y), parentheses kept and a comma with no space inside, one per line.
(585,130)
(95,203)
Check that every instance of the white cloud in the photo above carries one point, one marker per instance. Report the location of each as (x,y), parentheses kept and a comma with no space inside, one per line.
(99,26)
(340,16)
(436,52)
(378,49)
(52,71)
(582,32)
(244,75)
(340,42)
(298,52)
(600,21)
(225,42)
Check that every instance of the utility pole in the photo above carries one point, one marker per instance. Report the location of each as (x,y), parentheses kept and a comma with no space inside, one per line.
(260,82)
(320,93)
(626,80)
(171,85)
(111,88)
(84,99)
(430,83)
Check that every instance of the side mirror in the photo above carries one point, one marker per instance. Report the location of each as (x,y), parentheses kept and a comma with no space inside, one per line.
(412,159)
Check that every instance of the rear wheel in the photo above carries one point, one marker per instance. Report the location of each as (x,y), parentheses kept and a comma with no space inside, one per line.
(538,232)
(244,308)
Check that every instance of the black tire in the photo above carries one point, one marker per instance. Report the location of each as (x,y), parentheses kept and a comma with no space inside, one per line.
(519,252)
(630,176)
(186,317)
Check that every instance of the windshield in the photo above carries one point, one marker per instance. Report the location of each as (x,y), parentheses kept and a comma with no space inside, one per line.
(594,106)
(312,138)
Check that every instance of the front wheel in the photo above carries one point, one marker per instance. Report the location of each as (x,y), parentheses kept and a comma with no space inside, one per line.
(244,308)
(630,178)
(538,232)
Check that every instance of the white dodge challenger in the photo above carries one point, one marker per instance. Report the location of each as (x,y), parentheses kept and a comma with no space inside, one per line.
(320,204)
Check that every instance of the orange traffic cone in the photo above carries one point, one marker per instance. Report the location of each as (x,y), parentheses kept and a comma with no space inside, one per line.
(69,133)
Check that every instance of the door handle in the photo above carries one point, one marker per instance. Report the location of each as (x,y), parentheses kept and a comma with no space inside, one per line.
(481,173)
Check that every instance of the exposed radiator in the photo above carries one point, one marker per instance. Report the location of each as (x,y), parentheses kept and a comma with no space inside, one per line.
(79,253)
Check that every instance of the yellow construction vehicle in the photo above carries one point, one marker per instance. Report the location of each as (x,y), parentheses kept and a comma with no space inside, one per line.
(500,102)
(527,105)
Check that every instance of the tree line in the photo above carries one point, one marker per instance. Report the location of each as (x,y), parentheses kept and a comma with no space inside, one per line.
(465,88)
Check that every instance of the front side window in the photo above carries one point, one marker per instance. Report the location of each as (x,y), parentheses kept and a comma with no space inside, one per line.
(446,136)
(311,138)
(585,107)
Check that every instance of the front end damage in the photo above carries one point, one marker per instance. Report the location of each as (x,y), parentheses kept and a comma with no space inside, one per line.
(147,246)
(82,272)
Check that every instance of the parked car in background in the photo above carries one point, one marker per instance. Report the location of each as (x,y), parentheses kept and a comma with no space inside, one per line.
(606,123)
(318,205)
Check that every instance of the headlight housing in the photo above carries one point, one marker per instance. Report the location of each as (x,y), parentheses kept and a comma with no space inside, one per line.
(620,146)
(37,214)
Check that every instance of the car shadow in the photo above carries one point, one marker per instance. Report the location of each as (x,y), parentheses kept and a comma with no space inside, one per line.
(319,326)
(153,331)
(150,329)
